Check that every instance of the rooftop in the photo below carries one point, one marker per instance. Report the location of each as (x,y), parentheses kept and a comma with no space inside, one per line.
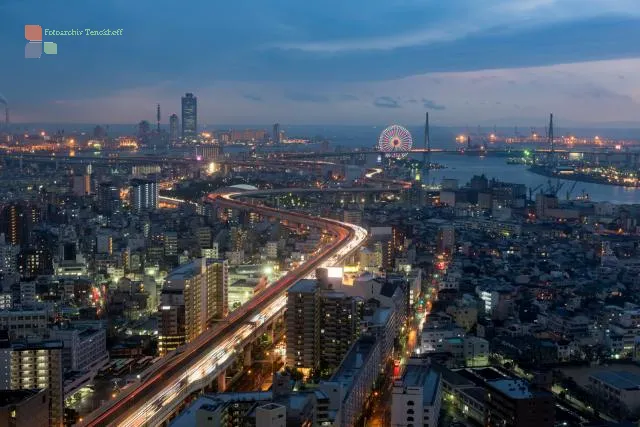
(515,389)
(304,286)
(425,377)
(353,362)
(622,380)
(11,397)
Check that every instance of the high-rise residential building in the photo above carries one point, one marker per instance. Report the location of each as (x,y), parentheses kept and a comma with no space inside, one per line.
(446,238)
(170,243)
(189,116)
(24,408)
(321,326)
(416,398)
(8,258)
(144,195)
(34,262)
(108,198)
(276,133)
(302,321)
(36,366)
(193,295)
(16,221)
(84,349)
(81,185)
(174,134)
(144,132)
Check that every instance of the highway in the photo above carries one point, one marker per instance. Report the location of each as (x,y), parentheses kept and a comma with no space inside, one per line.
(190,368)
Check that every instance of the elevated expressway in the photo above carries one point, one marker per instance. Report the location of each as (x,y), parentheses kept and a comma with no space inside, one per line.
(164,386)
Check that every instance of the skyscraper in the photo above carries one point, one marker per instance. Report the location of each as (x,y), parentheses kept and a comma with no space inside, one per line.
(173,128)
(321,325)
(108,198)
(189,116)
(17,221)
(276,133)
(192,296)
(144,195)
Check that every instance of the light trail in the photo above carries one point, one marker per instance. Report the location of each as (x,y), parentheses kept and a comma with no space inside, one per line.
(196,364)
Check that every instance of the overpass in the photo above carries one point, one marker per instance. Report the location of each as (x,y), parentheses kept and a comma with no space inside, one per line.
(194,366)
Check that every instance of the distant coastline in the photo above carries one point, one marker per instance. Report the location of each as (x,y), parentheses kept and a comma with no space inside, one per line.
(580,177)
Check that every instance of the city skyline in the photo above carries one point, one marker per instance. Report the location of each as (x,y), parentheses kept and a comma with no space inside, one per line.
(335,64)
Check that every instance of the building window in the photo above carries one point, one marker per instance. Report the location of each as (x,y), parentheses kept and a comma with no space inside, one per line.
(410,411)
(410,403)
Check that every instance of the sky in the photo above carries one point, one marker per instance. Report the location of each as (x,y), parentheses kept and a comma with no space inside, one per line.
(467,62)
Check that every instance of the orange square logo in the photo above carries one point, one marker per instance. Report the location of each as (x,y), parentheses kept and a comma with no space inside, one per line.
(33,33)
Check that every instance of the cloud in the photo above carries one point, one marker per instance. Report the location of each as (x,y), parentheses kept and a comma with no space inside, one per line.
(251,97)
(386,102)
(432,105)
(412,101)
(598,93)
(306,97)
(488,15)
(348,97)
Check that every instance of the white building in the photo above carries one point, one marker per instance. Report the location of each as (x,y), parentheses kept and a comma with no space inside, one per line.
(84,349)
(416,398)
(620,389)
(271,415)
(271,250)
(24,323)
(433,338)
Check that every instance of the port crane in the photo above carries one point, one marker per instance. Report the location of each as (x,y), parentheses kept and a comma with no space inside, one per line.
(573,187)
(533,190)
(553,190)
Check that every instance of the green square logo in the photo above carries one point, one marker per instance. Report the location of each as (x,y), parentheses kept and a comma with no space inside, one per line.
(50,48)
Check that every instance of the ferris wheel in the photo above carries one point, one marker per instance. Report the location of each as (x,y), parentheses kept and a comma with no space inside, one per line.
(395,141)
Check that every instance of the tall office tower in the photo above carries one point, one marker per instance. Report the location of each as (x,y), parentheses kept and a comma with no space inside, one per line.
(276,133)
(81,185)
(144,195)
(189,116)
(36,366)
(321,326)
(193,295)
(173,128)
(109,198)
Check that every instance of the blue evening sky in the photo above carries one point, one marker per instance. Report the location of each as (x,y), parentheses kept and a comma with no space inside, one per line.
(328,61)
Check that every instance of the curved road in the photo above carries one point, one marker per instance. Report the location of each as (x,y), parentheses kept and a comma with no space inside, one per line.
(190,368)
